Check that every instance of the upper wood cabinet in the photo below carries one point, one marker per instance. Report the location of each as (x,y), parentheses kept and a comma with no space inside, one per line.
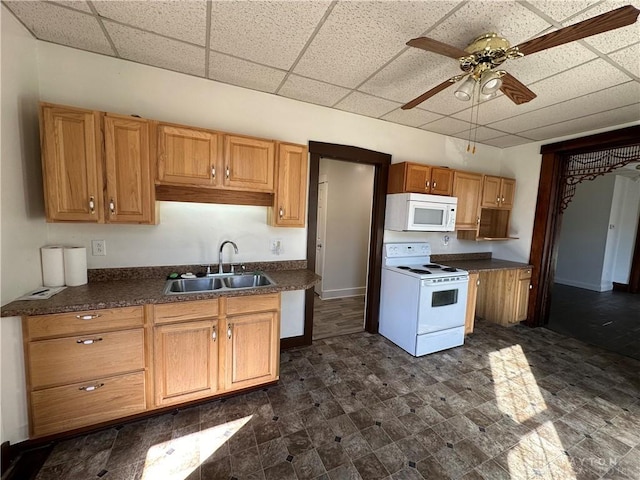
(498,192)
(289,206)
(188,156)
(249,163)
(419,178)
(467,187)
(130,195)
(72,161)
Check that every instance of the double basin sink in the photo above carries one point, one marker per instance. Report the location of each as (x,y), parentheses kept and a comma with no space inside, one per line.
(216,283)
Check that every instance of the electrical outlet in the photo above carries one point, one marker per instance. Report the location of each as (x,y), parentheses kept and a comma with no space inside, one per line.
(98,248)
(275,245)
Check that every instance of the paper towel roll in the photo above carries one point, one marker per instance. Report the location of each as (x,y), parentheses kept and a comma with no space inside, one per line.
(52,266)
(75,266)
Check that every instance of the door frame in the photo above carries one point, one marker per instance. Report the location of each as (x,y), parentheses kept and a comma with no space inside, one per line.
(380,162)
(318,286)
(547,221)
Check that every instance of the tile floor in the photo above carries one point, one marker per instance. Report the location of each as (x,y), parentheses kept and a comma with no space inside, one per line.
(610,320)
(337,316)
(512,403)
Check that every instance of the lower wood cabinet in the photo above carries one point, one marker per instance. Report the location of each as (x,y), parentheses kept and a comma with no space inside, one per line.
(85,368)
(472,295)
(503,295)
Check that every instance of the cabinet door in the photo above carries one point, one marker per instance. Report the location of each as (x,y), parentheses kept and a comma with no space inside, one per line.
(249,163)
(290,200)
(441,181)
(185,361)
(188,156)
(252,349)
(467,187)
(130,196)
(472,295)
(491,191)
(70,140)
(522,300)
(417,178)
(507,192)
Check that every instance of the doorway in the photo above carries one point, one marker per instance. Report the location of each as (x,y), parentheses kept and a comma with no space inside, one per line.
(345,199)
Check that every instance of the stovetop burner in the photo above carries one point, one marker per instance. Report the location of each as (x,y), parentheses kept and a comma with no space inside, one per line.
(419,270)
(403,267)
(432,265)
(449,269)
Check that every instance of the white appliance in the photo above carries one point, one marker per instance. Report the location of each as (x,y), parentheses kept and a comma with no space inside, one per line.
(422,305)
(420,212)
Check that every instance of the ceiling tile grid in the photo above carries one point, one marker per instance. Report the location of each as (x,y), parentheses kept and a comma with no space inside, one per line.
(352,55)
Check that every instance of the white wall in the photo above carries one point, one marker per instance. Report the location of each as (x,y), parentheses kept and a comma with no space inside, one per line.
(22,212)
(349,208)
(583,235)
(625,211)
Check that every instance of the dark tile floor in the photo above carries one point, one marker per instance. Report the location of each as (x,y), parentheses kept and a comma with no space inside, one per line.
(609,320)
(337,316)
(512,403)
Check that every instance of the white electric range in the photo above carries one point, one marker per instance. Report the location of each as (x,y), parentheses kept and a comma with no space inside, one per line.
(422,304)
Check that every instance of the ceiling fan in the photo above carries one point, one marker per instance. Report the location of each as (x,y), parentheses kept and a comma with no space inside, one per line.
(481,58)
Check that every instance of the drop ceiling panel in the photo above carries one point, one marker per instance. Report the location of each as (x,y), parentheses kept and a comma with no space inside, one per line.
(243,73)
(609,41)
(76,4)
(188,18)
(366,105)
(271,33)
(614,97)
(629,58)
(480,134)
(151,49)
(411,74)
(312,91)
(413,118)
(592,122)
(364,36)
(508,18)
(507,141)
(446,126)
(61,25)
(559,10)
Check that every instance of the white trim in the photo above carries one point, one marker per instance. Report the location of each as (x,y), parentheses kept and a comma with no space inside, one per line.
(596,287)
(343,293)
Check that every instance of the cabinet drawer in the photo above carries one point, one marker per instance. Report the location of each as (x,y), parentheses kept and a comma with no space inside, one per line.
(525,273)
(183,311)
(253,303)
(72,406)
(75,323)
(72,359)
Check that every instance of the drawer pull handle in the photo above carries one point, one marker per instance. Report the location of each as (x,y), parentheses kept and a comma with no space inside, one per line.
(227,172)
(281,212)
(214,334)
(91,388)
(92,205)
(213,172)
(88,317)
(112,207)
(434,184)
(88,341)
(426,184)
(229,330)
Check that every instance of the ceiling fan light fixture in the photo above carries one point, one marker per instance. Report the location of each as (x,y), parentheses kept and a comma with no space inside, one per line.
(483,98)
(465,91)
(490,82)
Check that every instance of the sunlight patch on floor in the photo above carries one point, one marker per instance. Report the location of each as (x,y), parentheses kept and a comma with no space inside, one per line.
(538,453)
(177,458)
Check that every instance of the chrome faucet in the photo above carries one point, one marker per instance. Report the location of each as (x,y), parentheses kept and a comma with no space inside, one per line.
(235,248)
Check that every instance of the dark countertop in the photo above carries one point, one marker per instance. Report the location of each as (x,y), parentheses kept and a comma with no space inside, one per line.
(139,291)
(484,265)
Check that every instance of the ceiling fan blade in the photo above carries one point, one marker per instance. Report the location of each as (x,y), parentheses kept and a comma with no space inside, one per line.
(438,88)
(517,92)
(431,45)
(620,17)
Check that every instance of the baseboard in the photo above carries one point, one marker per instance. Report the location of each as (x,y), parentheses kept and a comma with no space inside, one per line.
(596,287)
(343,293)
(292,342)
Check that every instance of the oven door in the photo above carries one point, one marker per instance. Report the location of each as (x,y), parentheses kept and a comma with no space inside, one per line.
(443,305)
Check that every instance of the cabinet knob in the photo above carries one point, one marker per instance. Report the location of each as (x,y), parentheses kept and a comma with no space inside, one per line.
(478,282)
(88,317)
(213,172)
(478,221)
(426,184)
(88,341)
(229,330)
(214,334)
(112,207)
(497,199)
(530,287)
(227,172)
(502,199)
(434,184)
(92,204)
(281,211)
(91,388)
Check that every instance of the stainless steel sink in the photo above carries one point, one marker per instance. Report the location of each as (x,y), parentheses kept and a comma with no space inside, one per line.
(247,281)
(216,283)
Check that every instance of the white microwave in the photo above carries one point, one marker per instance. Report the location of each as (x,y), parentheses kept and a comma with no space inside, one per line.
(420,212)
